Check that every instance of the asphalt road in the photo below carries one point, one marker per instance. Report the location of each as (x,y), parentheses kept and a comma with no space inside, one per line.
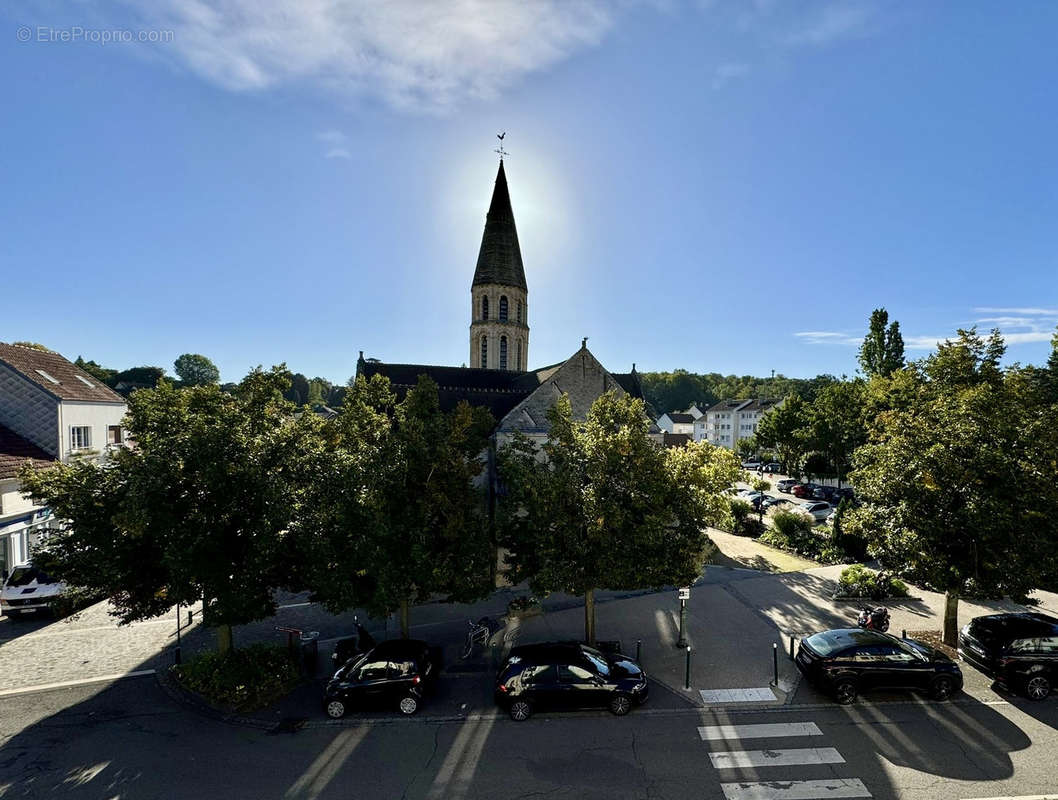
(129,740)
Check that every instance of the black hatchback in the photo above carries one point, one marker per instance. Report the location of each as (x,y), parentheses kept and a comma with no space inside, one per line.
(395,674)
(847,661)
(568,675)
(1020,651)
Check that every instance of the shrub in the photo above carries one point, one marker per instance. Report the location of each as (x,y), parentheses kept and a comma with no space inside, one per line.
(859,581)
(242,680)
(740,511)
(75,599)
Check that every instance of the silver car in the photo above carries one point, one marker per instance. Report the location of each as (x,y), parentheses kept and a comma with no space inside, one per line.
(817,511)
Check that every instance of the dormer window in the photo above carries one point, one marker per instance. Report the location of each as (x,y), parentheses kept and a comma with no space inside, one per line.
(484,307)
(503,308)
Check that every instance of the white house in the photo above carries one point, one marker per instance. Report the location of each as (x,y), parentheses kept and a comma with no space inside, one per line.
(680,421)
(50,411)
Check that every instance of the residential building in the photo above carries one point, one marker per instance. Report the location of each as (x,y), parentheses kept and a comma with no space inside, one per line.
(50,411)
(724,423)
(677,422)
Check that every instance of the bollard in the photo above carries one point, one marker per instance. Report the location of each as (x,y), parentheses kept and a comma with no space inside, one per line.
(791,648)
(687,675)
(775,661)
(639,649)
(903,634)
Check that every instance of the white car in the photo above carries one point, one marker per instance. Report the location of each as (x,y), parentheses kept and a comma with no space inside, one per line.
(28,590)
(754,464)
(816,510)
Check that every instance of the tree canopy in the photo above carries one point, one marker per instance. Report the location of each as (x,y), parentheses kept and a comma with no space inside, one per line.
(601,506)
(194,369)
(882,351)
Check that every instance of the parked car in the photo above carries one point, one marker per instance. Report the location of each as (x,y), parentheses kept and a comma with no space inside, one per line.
(844,492)
(848,661)
(564,675)
(1018,650)
(759,499)
(817,511)
(777,502)
(751,464)
(786,484)
(803,490)
(771,466)
(395,674)
(29,590)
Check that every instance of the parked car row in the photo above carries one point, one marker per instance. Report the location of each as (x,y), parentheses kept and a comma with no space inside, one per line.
(1018,650)
(814,491)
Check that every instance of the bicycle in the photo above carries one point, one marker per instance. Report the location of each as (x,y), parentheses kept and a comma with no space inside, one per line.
(479,633)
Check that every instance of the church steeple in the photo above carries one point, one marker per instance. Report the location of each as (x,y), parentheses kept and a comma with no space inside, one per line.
(500,257)
(499,316)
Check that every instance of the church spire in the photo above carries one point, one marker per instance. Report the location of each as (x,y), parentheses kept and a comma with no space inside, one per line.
(500,258)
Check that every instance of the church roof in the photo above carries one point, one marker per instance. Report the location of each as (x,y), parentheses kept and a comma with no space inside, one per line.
(500,258)
(500,391)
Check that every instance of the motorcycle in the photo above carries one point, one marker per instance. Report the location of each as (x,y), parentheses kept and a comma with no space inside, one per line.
(874,619)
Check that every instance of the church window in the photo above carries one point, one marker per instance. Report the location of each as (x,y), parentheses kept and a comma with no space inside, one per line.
(484,352)
(519,312)
(518,364)
(503,308)
(503,352)
(484,307)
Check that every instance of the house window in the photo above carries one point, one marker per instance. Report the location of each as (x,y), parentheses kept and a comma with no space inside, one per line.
(503,308)
(484,307)
(80,437)
(519,312)
(503,351)
(114,434)
(484,353)
(518,364)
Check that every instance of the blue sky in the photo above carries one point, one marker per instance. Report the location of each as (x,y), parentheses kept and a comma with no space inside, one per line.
(717,186)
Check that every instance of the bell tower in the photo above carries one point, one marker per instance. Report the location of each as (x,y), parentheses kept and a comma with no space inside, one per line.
(499,307)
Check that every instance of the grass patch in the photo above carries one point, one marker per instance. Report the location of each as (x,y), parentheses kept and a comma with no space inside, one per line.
(241,680)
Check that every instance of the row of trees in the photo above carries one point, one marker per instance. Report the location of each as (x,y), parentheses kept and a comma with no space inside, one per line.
(228,496)
(677,390)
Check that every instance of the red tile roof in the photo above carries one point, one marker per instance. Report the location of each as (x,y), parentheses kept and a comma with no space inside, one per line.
(14,451)
(67,381)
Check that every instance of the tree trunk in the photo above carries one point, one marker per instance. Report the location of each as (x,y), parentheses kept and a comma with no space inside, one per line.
(951,618)
(224,638)
(589,617)
(404,627)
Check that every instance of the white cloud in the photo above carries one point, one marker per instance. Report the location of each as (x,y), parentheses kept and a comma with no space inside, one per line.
(726,73)
(828,337)
(412,54)
(1051,312)
(335,142)
(835,21)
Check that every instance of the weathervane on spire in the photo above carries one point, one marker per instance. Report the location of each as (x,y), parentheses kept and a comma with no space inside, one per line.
(500,149)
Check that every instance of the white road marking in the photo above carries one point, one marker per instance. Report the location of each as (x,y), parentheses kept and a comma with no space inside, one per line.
(759,695)
(763,731)
(80,682)
(776,758)
(796,790)
(1019,797)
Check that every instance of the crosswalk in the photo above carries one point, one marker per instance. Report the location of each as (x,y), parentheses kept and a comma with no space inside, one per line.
(761,761)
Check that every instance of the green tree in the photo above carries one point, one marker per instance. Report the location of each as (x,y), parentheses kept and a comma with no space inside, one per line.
(100,373)
(196,370)
(196,511)
(605,507)
(396,515)
(958,482)
(882,351)
(298,393)
(134,378)
(784,429)
(746,446)
(836,422)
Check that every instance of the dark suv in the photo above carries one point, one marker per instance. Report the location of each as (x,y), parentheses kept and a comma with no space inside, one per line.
(565,675)
(1019,650)
(847,661)
(397,674)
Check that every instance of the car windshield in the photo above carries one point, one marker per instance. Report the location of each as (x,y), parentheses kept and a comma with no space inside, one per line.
(597,660)
(23,576)
(351,666)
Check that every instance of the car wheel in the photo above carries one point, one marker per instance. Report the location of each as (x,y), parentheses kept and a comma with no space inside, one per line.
(620,705)
(942,688)
(1037,687)
(845,692)
(520,711)
(408,705)
(335,709)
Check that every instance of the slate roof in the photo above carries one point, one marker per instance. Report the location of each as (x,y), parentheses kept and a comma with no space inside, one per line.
(762,405)
(675,439)
(727,405)
(14,451)
(497,390)
(500,257)
(70,382)
(677,416)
